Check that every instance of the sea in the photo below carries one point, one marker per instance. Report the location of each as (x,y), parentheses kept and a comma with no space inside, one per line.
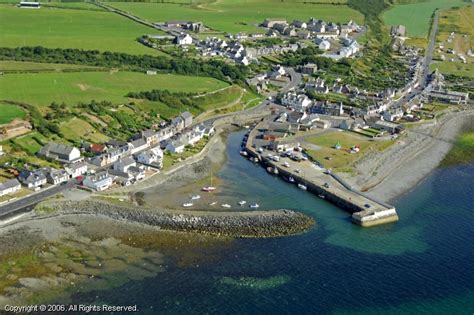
(422,264)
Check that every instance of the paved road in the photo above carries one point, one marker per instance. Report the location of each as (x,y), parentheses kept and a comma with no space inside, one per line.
(425,66)
(295,80)
(20,204)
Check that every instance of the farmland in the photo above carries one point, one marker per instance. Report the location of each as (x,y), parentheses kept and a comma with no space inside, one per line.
(9,112)
(24,66)
(239,15)
(42,89)
(417,16)
(70,28)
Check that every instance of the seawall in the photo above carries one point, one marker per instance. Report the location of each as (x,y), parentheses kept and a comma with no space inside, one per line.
(270,223)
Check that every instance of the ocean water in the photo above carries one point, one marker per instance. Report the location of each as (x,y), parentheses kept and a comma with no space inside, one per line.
(423,264)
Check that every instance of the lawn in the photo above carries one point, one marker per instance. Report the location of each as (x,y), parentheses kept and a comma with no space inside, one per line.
(455,68)
(341,160)
(239,15)
(36,66)
(29,143)
(43,88)
(71,28)
(417,16)
(9,112)
(77,129)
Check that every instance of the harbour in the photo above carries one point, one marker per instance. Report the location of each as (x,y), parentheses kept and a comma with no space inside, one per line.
(365,211)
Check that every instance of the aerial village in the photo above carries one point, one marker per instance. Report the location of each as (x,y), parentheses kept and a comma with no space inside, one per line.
(298,103)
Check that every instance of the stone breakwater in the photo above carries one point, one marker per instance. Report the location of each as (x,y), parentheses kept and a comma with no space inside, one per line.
(270,223)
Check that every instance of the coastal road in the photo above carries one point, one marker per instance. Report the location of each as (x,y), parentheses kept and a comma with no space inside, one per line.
(14,206)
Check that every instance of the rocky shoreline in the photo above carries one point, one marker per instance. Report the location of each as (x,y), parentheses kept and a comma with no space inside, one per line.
(259,224)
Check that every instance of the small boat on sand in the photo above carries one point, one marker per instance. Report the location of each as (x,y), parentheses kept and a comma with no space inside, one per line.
(196,197)
(254,206)
(188,204)
(225,205)
(208,189)
(243,202)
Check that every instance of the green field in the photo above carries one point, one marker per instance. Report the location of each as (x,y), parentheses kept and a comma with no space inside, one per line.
(29,142)
(455,68)
(36,66)
(71,28)
(9,112)
(43,88)
(77,129)
(417,16)
(341,160)
(239,15)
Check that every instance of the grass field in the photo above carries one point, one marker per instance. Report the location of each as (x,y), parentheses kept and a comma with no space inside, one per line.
(239,15)
(77,129)
(417,16)
(29,142)
(9,112)
(43,88)
(36,66)
(341,160)
(455,68)
(70,28)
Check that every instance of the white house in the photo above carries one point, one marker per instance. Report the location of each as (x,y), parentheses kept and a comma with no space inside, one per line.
(32,179)
(60,152)
(184,39)
(138,145)
(152,156)
(296,101)
(324,45)
(9,187)
(175,147)
(393,115)
(55,176)
(124,164)
(99,182)
(76,169)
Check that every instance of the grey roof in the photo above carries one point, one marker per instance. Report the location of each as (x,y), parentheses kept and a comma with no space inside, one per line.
(56,148)
(186,115)
(138,143)
(125,161)
(75,166)
(27,176)
(52,172)
(9,184)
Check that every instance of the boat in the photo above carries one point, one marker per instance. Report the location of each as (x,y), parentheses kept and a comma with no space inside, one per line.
(213,203)
(226,205)
(209,188)
(291,179)
(301,186)
(243,153)
(195,197)
(322,196)
(241,203)
(286,164)
(254,206)
(188,204)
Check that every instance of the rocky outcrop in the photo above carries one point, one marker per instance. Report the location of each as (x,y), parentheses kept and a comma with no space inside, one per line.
(237,224)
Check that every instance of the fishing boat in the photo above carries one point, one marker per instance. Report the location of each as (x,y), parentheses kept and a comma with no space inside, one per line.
(243,153)
(291,179)
(286,164)
(254,206)
(213,203)
(188,204)
(322,196)
(195,197)
(226,205)
(301,186)
(241,203)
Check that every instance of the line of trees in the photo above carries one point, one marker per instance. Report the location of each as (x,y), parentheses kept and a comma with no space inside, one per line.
(213,68)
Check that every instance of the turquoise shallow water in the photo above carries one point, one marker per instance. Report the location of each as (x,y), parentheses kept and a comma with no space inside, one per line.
(423,264)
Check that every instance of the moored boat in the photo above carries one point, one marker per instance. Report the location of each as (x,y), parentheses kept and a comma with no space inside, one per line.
(196,197)
(208,189)
(226,205)
(301,186)
(254,206)
(243,202)
(188,204)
